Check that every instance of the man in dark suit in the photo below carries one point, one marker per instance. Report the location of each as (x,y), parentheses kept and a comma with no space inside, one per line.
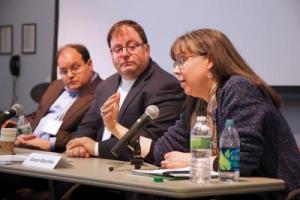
(65,101)
(140,82)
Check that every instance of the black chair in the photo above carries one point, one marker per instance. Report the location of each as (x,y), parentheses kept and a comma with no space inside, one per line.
(37,91)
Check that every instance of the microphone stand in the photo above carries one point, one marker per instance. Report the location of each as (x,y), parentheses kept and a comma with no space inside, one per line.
(137,160)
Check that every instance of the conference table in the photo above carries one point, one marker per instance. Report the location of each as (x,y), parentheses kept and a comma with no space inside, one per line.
(98,172)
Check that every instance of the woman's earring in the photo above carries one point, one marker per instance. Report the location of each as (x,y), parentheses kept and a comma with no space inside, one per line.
(209,74)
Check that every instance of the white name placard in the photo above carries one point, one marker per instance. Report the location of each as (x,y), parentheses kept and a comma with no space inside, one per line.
(47,161)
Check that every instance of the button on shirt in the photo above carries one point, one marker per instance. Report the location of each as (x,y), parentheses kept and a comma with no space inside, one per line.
(56,112)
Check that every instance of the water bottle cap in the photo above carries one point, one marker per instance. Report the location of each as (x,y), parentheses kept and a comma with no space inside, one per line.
(229,123)
(200,118)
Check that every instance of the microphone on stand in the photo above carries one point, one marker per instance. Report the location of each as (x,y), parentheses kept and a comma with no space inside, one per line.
(151,113)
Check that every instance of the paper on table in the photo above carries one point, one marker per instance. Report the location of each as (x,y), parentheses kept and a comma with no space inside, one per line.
(8,159)
(176,173)
(160,171)
(14,158)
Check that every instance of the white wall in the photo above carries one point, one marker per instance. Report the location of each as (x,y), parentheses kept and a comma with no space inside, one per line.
(266,32)
(35,68)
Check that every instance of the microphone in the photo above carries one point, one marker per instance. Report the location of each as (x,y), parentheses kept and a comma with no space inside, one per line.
(15,110)
(151,113)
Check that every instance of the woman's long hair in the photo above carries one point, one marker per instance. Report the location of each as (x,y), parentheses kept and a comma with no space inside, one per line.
(227,61)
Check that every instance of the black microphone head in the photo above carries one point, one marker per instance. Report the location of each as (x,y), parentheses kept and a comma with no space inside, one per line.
(152,111)
(18,109)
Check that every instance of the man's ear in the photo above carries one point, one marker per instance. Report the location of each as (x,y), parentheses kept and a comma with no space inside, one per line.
(90,64)
(147,47)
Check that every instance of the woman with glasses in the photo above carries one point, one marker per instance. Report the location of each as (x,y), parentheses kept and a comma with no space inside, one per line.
(209,68)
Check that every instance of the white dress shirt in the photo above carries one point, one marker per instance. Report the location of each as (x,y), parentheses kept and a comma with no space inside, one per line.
(124,88)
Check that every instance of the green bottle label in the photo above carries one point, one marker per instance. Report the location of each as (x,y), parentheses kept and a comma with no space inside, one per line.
(229,159)
(24,130)
(200,142)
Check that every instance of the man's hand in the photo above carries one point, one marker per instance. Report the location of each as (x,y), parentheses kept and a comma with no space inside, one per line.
(176,159)
(109,112)
(22,139)
(78,151)
(33,141)
(81,147)
(9,124)
(39,143)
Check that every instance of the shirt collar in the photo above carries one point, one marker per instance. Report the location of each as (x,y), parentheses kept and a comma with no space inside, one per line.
(126,84)
(75,93)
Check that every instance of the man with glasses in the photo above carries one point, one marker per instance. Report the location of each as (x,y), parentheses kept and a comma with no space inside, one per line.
(65,102)
(140,82)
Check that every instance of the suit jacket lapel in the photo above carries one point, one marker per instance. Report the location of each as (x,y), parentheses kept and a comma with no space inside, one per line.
(113,84)
(81,100)
(77,105)
(48,99)
(136,88)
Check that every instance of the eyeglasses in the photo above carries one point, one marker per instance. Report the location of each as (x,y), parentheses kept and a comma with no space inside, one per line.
(131,48)
(180,60)
(74,69)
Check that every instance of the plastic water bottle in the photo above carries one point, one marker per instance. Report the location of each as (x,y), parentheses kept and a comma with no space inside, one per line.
(201,151)
(229,156)
(24,126)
